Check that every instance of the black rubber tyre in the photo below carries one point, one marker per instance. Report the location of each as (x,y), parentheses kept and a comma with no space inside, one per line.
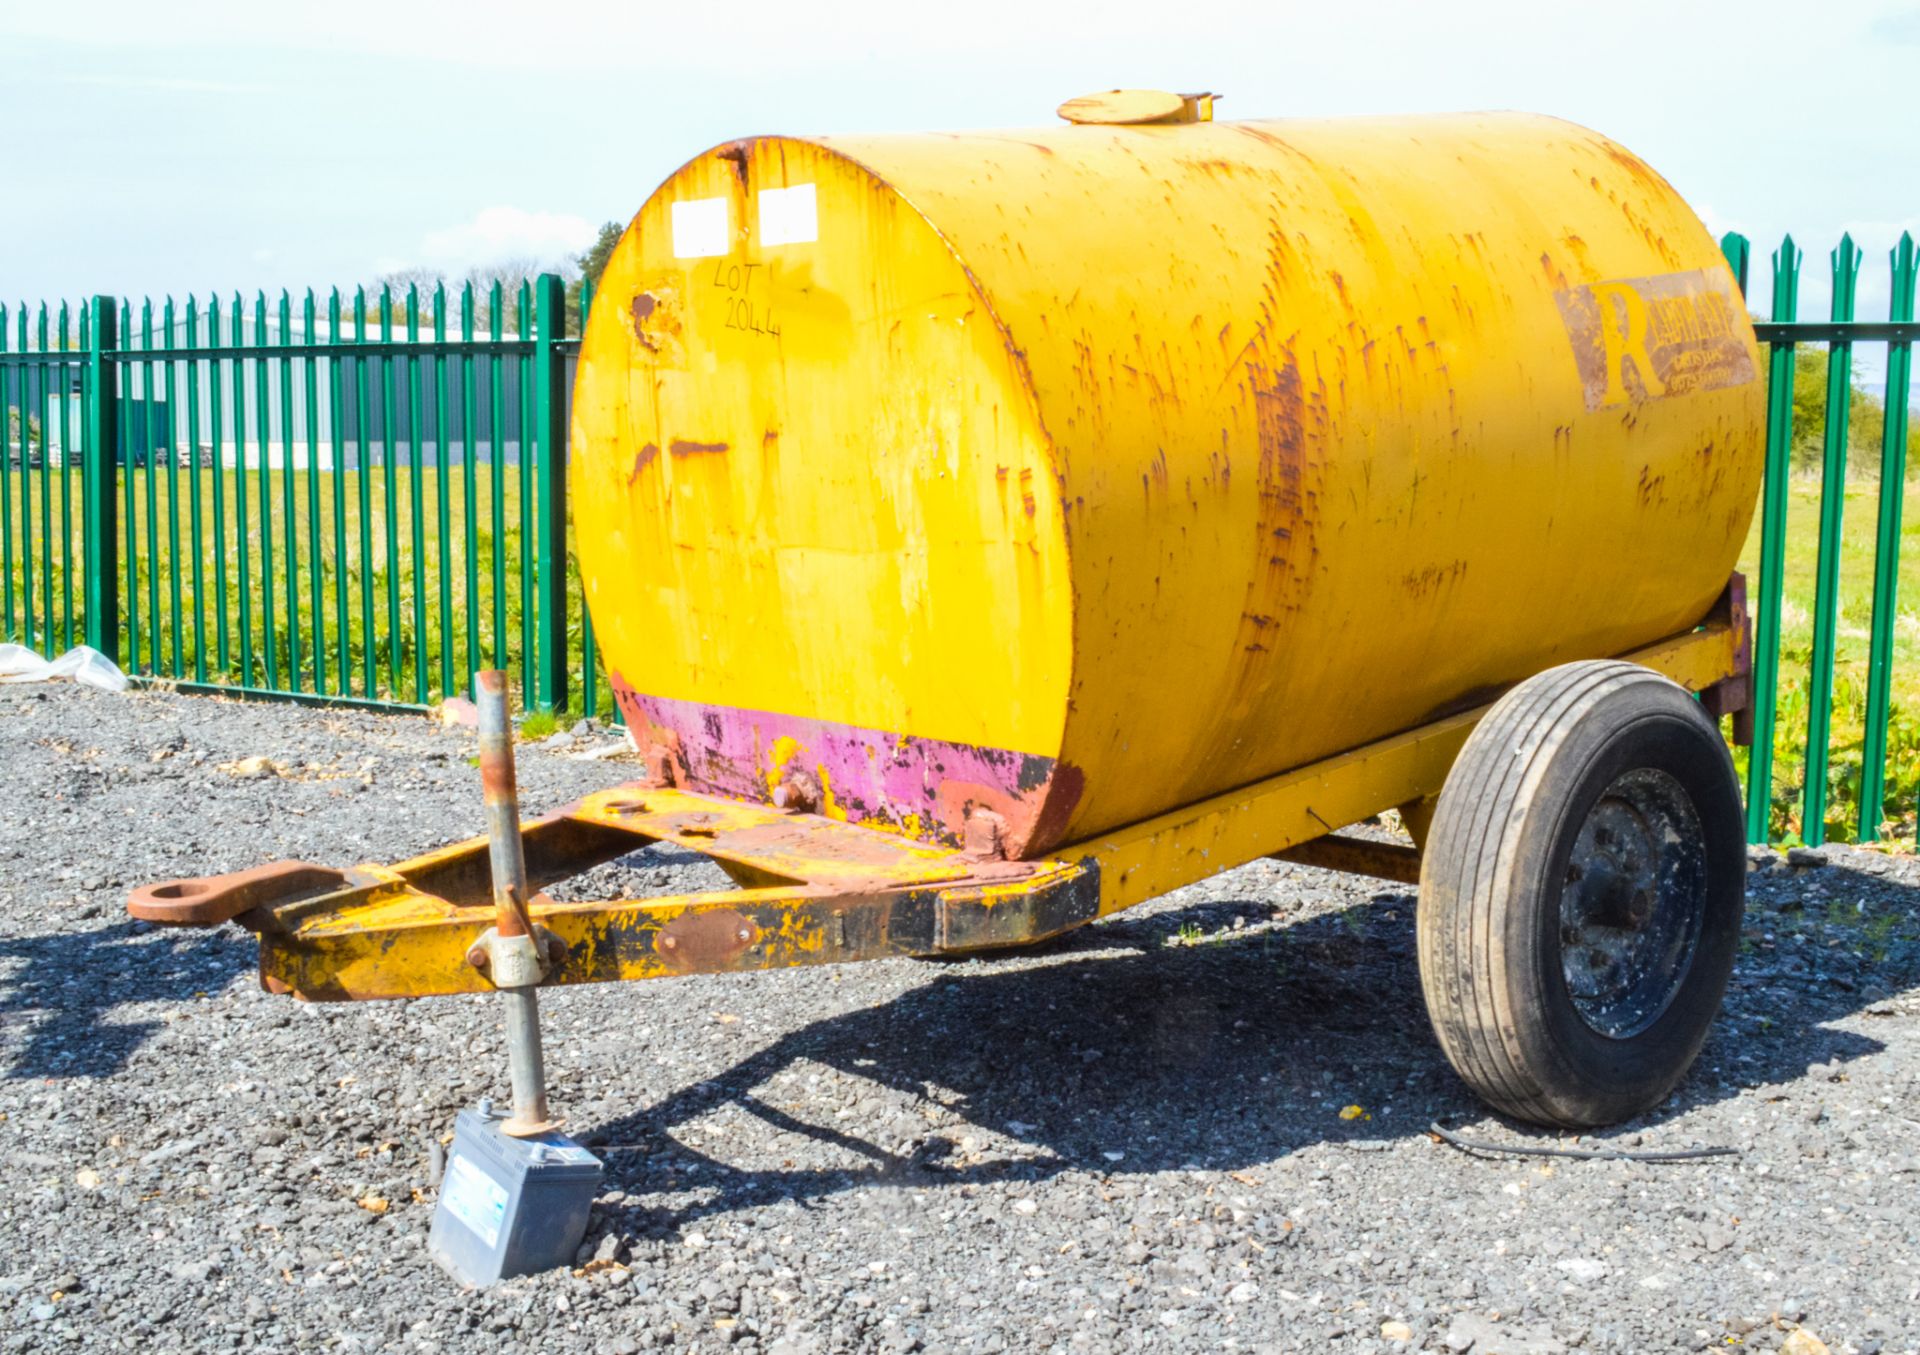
(1581,895)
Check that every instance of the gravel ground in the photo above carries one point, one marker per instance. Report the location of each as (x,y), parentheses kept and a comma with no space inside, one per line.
(1133,1139)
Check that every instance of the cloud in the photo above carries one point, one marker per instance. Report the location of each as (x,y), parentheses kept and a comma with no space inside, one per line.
(1718,223)
(503,234)
(1901,28)
(164,84)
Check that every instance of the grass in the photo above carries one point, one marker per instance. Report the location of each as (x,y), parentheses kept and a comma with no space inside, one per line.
(404,640)
(538,724)
(1859,525)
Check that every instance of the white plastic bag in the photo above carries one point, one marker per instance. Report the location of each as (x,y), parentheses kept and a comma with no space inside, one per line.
(83,664)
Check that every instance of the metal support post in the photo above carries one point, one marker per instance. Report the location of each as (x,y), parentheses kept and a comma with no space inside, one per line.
(511,951)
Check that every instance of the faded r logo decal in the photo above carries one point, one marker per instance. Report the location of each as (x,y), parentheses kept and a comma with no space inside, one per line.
(1638,339)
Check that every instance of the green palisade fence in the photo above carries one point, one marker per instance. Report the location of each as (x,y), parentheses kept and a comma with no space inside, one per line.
(357,500)
(362,500)
(1812,737)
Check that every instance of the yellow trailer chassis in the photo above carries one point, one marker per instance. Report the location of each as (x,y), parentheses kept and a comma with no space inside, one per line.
(815,890)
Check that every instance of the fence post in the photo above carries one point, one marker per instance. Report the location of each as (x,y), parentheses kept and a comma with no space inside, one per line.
(1773,539)
(99,467)
(550,526)
(1886,550)
(1826,587)
(1738,251)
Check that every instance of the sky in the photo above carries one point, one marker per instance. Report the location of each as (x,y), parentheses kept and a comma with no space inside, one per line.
(230,144)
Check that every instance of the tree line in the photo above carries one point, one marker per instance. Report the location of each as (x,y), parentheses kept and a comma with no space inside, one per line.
(510,274)
(1866,416)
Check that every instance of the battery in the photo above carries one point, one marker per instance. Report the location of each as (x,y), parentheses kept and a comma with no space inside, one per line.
(510,1206)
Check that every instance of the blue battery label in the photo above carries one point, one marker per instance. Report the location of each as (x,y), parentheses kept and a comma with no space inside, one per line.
(474,1198)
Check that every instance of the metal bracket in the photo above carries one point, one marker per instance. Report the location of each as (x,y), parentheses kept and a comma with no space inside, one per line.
(1357,856)
(1733,695)
(516,961)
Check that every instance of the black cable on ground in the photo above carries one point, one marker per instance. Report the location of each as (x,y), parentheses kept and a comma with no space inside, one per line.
(1599,1154)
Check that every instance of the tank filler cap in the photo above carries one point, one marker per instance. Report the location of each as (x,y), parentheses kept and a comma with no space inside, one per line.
(1138,107)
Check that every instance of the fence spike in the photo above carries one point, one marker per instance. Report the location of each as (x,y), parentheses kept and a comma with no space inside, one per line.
(1845,260)
(1846,276)
(1886,550)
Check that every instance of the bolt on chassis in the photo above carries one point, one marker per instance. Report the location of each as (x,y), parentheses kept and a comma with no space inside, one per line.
(1579,856)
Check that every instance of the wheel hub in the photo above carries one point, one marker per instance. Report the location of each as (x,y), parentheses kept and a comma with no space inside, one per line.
(1632,903)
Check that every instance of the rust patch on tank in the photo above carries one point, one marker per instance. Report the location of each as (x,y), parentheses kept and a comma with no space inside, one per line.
(1027,818)
(683,447)
(652,317)
(641,460)
(1284,524)
(643,306)
(1289,424)
(1639,170)
(1430,579)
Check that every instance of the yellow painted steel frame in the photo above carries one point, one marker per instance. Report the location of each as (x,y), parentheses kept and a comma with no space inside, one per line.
(817,891)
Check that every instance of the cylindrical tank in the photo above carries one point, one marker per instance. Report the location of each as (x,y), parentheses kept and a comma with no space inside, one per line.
(1076,474)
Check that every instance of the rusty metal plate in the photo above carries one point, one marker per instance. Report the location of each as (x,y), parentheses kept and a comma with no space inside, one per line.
(696,942)
(1638,339)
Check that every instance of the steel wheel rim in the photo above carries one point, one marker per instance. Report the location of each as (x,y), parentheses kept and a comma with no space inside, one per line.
(1632,903)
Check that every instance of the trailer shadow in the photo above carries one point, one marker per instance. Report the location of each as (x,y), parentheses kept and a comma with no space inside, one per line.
(1173,1041)
(59,992)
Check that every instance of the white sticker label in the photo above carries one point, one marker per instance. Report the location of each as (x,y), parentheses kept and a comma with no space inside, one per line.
(789,216)
(700,228)
(474,1198)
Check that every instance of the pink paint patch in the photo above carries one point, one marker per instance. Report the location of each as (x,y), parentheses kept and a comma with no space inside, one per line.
(928,787)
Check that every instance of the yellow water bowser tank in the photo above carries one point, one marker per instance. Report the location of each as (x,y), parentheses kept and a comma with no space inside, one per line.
(1079,473)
